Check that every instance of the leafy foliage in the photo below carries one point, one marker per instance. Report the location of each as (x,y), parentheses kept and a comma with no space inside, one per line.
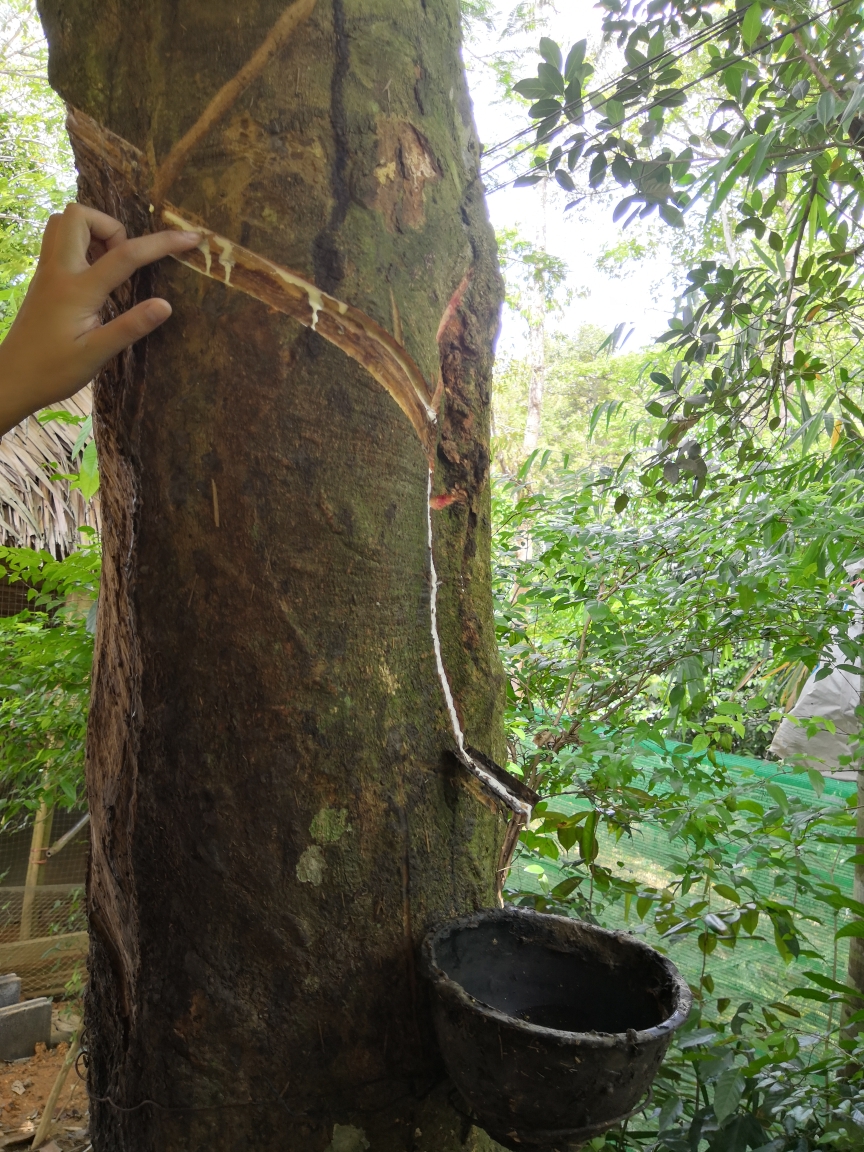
(36,170)
(45,660)
(752,111)
(591,405)
(639,647)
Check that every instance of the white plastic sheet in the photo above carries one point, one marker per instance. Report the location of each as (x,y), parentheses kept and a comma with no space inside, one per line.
(833,698)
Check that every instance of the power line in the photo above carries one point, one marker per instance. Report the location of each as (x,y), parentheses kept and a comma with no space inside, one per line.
(670,56)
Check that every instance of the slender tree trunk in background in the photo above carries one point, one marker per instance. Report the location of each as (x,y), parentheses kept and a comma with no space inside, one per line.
(40,840)
(537,347)
(536,382)
(277,818)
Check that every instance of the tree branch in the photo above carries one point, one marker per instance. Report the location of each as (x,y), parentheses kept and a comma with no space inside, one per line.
(784,323)
(814,66)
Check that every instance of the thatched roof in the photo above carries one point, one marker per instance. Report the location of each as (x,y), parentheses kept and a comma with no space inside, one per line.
(36,511)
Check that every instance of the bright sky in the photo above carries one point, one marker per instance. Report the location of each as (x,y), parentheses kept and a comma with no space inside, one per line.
(578,237)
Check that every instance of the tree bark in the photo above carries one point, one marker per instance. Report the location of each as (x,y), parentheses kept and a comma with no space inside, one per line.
(277,817)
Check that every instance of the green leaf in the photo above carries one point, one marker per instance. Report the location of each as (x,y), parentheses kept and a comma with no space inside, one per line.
(552,79)
(588,841)
(62,416)
(551,53)
(833,985)
(727,893)
(621,501)
(750,920)
(83,436)
(727,1093)
(751,25)
(852,107)
(531,89)
(567,836)
(778,796)
(614,111)
(87,480)
(566,887)
(574,60)
(671,215)
(817,781)
(854,929)
(544,108)
(825,108)
(642,906)
(597,171)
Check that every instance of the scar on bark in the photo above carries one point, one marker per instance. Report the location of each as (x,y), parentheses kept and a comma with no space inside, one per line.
(406,164)
(228,95)
(115,960)
(446,329)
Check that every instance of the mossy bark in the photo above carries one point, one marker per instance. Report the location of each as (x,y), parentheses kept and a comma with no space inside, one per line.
(277,818)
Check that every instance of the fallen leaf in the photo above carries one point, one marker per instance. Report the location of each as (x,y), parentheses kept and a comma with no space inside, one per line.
(18,1088)
(18,1136)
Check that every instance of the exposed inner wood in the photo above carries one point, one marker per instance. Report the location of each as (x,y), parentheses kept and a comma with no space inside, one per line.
(343,325)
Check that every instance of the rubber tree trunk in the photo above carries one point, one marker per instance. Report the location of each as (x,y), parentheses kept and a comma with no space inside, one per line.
(277,818)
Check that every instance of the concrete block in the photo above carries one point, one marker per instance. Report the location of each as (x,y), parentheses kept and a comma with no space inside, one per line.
(10,990)
(23,1026)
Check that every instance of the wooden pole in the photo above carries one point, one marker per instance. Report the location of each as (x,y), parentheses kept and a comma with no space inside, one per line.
(50,1104)
(40,840)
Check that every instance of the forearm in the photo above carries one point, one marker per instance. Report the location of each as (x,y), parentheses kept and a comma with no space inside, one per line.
(18,397)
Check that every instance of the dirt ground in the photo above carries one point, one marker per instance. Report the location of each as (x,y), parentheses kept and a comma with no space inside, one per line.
(24,1088)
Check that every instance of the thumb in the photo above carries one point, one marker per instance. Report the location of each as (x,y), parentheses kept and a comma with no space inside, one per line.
(109,339)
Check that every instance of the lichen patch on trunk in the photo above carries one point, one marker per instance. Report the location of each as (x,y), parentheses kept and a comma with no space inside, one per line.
(347,1138)
(329,825)
(311,866)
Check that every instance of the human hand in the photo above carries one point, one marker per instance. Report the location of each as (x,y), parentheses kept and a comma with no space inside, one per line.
(57,342)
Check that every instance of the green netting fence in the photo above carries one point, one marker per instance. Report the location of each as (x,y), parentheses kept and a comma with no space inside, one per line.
(754,968)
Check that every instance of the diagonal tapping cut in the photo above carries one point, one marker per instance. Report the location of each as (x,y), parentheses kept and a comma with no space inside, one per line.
(287,291)
(351,330)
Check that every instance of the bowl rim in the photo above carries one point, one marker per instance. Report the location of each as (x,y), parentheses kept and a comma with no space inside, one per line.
(446,986)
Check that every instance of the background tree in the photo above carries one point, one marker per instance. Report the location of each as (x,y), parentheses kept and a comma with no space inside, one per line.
(768,97)
(277,815)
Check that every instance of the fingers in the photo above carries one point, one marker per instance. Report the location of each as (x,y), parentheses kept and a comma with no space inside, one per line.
(78,226)
(49,236)
(118,264)
(104,342)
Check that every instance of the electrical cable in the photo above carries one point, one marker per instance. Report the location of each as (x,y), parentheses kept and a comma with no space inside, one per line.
(674,57)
